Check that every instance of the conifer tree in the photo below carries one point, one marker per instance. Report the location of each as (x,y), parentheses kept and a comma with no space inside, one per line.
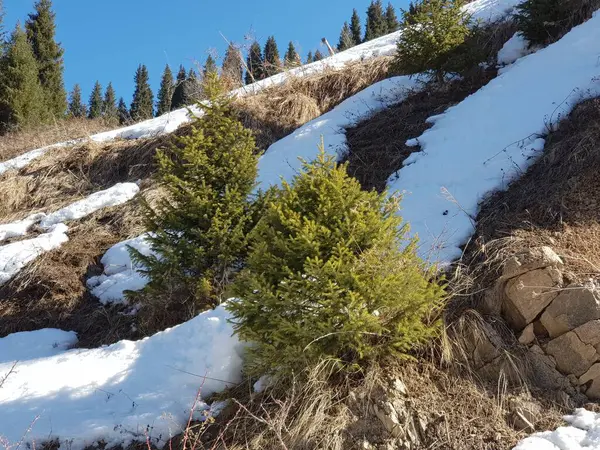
(429,36)
(318,55)
(41,30)
(255,63)
(109,105)
(199,228)
(346,40)
(355,28)
(2,29)
(165,93)
(22,101)
(76,106)
(232,70)
(272,59)
(95,103)
(310,58)
(210,66)
(376,23)
(181,91)
(391,19)
(291,59)
(123,112)
(142,106)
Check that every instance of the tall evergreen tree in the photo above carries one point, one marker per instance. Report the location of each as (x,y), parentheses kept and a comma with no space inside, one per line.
(272,59)
(142,106)
(123,112)
(391,19)
(95,102)
(210,66)
(318,55)
(76,106)
(346,40)
(110,111)
(165,93)
(292,59)
(21,95)
(255,63)
(41,30)
(179,98)
(376,21)
(232,70)
(310,58)
(2,30)
(355,27)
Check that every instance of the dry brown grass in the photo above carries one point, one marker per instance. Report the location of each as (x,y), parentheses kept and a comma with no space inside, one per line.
(17,142)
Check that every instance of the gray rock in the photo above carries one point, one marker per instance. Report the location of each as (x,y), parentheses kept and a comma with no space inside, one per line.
(572,356)
(573,307)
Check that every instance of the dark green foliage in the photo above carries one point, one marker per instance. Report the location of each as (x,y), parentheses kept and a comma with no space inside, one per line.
(123,112)
(210,67)
(95,108)
(346,40)
(292,58)
(545,21)
(391,19)
(182,93)
(2,29)
(200,226)
(21,96)
(255,63)
(232,70)
(110,111)
(41,30)
(431,34)
(142,106)
(310,58)
(318,55)
(376,22)
(165,93)
(326,278)
(76,106)
(355,28)
(272,59)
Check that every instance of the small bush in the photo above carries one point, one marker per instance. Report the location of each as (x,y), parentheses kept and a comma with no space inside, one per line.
(545,21)
(199,228)
(326,277)
(432,29)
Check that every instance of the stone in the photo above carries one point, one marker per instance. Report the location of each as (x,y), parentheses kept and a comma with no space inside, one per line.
(531,259)
(572,356)
(591,380)
(542,370)
(527,295)
(524,414)
(528,335)
(400,387)
(589,333)
(572,307)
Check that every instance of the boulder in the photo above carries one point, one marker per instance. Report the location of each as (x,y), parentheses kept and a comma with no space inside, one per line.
(572,356)
(531,259)
(524,414)
(591,380)
(528,335)
(589,333)
(571,308)
(528,294)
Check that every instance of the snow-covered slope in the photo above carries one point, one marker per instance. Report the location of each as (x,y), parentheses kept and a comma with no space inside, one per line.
(35,344)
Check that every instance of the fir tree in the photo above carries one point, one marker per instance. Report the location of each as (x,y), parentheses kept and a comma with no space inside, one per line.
(123,112)
(355,28)
(2,30)
(318,55)
(142,106)
(272,60)
(76,106)
(21,95)
(165,93)
(41,30)
(391,19)
(199,228)
(292,59)
(376,22)
(331,275)
(310,58)
(232,70)
(95,103)
(210,66)
(255,63)
(109,105)
(346,40)
(181,91)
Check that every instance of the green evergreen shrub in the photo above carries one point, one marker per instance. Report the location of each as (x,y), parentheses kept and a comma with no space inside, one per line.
(432,30)
(199,228)
(326,277)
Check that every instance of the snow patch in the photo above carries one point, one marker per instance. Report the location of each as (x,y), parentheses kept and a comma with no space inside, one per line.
(516,47)
(20,227)
(29,345)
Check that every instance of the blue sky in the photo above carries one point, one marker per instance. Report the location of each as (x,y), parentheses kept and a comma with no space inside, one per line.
(106,40)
